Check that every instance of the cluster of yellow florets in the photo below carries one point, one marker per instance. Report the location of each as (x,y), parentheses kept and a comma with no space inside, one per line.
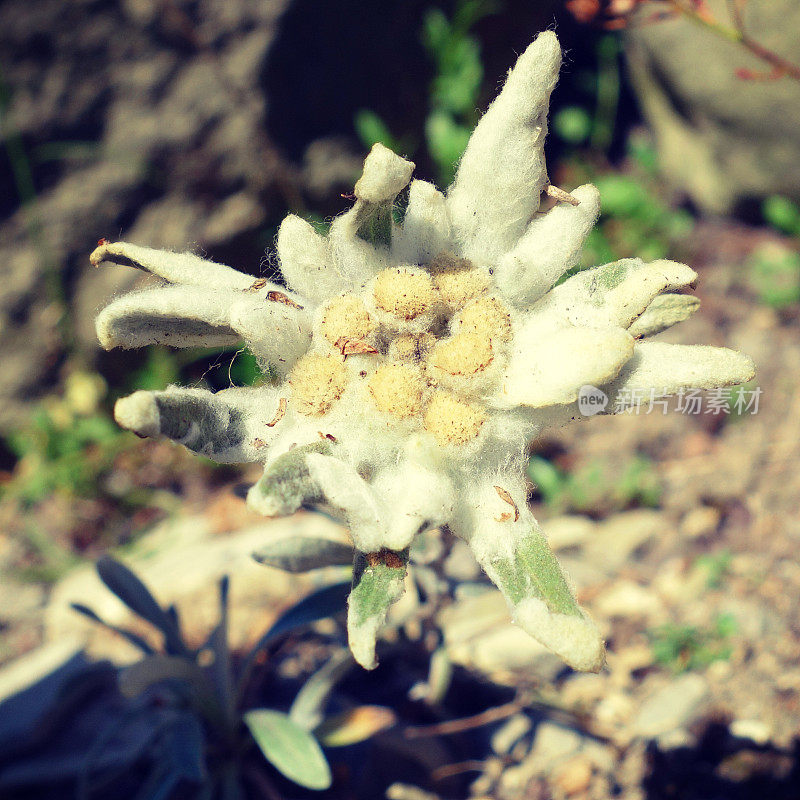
(424,343)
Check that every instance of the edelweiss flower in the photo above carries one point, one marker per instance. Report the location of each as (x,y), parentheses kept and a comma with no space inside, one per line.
(417,359)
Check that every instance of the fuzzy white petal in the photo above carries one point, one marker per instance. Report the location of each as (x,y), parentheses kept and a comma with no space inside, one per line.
(668,368)
(347,491)
(551,245)
(576,639)
(550,369)
(181,268)
(502,172)
(426,229)
(305,260)
(417,498)
(663,312)
(509,545)
(178,316)
(616,293)
(228,426)
(385,175)
(278,334)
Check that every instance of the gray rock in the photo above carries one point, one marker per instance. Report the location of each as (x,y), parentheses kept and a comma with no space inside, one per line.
(672,707)
(617,539)
(478,634)
(721,138)
(176,157)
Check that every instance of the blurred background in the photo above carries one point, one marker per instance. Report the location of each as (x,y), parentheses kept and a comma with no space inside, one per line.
(199,124)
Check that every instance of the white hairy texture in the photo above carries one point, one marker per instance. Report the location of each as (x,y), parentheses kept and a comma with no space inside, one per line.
(484,522)
(669,368)
(628,300)
(181,268)
(138,413)
(228,426)
(348,492)
(665,311)
(502,173)
(278,334)
(353,258)
(613,294)
(549,369)
(362,640)
(551,245)
(305,260)
(575,639)
(385,175)
(178,316)
(415,499)
(426,229)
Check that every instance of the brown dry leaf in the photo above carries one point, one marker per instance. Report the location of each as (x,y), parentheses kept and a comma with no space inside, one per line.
(280,297)
(354,347)
(259,283)
(506,497)
(279,414)
(561,195)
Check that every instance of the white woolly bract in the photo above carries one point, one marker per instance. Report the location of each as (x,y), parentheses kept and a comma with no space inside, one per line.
(550,370)
(502,172)
(414,500)
(348,492)
(177,316)
(426,229)
(305,260)
(669,368)
(550,246)
(181,268)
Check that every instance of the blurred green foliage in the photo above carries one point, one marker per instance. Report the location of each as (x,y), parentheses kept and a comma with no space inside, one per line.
(682,648)
(454,91)
(716,567)
(66,446)
(782,214)
(594,488)
(773,273)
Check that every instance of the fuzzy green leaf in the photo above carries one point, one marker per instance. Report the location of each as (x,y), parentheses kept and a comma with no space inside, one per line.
(286,483)
(378,582)
(304,553)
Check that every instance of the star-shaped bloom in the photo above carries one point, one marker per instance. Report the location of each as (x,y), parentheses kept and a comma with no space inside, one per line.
(416,360)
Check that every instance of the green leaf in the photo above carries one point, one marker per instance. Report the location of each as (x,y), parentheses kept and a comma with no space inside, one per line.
(221,673)
(371,129)
(356,725)
(293,751)
(322,603)
(534,572)
(125,585)
(304,553)
(447,141)
(378,582)
(621,196)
